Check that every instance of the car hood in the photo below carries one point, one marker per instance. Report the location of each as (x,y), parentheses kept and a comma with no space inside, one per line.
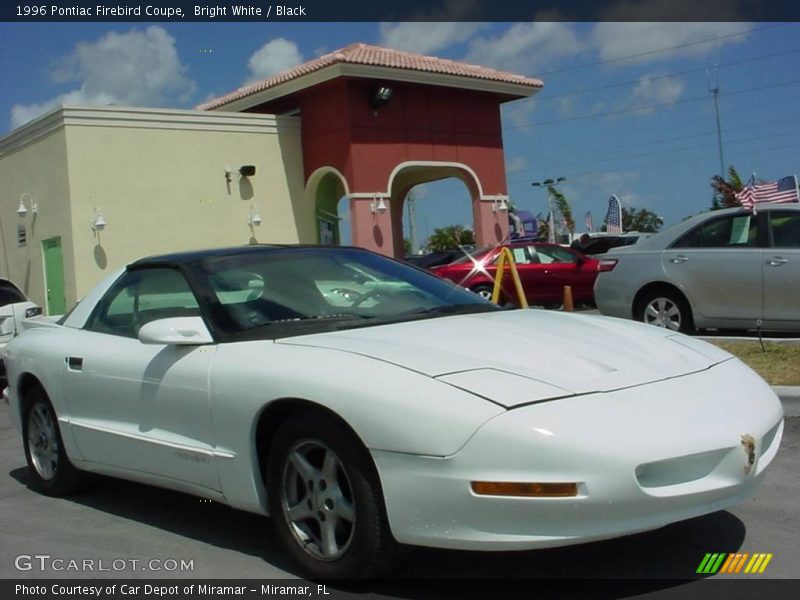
(523,356)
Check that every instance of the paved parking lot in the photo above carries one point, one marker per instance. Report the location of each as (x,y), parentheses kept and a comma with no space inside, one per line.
(120,521)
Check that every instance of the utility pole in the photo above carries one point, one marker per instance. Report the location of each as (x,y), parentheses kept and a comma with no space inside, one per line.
(412,221)
(713,87)
(547,184)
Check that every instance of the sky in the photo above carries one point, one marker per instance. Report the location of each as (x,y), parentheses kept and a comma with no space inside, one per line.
(626,108)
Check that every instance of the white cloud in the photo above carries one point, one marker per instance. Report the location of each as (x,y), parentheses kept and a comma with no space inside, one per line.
(526,47)
(518,113)
(611,182)
(653,90)
(516,164)
(273,57)
(617,40)
(137,68)
(425,38)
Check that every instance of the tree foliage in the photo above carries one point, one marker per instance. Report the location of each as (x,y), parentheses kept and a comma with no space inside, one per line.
(450,237)
(563,207)
(643,220)
(725,189)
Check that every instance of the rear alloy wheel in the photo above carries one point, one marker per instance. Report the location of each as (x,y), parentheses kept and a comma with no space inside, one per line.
(51,471)
(325,500)
(666,308)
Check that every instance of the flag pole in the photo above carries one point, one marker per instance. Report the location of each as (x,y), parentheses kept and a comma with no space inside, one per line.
(755,199)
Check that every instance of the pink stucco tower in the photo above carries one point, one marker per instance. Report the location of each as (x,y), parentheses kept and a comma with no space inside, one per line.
(376,122)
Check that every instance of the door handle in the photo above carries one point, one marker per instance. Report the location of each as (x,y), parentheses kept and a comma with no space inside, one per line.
(74,363)
(680,259)
(777,261)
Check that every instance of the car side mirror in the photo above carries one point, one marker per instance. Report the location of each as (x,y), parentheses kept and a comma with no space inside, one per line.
(176,331)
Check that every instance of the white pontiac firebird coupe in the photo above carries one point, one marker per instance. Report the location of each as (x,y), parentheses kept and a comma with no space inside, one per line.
(365,404)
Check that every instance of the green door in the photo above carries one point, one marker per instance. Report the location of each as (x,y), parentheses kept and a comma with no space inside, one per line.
(54,276)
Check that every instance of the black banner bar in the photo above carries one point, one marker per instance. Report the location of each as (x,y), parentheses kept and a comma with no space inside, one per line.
(739,588)
(403,10)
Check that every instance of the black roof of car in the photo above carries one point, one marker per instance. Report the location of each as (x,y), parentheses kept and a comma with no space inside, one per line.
(177,259)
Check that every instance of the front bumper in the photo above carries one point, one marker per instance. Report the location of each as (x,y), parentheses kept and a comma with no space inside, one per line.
(643,457)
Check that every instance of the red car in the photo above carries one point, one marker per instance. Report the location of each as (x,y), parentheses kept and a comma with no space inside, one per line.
(544,270)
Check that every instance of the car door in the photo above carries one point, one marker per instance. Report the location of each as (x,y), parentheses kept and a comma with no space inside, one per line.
(781,267)
(718,267)
(142,407)
(558,267)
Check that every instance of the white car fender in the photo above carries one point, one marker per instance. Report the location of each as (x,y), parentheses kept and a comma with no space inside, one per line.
(436,420)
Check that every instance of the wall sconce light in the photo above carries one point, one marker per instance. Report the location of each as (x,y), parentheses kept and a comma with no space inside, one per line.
(97,222)
(254,220)
(244,171)
(381,95)
(500,204)
(377,205)
(22,210)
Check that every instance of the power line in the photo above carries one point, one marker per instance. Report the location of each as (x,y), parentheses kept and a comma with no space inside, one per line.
(747,140)
(650,142)
(680,120)
(662,50)
(651,106)
(660,164)
(545,96)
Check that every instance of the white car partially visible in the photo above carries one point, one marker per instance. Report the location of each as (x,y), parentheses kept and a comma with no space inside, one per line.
(14,308)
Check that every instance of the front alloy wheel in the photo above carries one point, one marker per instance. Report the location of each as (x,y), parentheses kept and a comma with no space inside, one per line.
(317,500)
(325,499)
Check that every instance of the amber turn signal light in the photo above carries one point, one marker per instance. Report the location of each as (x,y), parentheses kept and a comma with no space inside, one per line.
(514,488)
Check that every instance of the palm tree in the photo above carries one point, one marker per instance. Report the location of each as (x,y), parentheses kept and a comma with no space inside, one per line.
(725,190)
(563,207)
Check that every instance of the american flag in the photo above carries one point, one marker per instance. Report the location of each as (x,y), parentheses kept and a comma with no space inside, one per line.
(588,221)
(783,190)
(614,215)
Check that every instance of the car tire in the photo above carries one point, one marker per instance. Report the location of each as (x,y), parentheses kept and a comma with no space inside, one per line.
(665,308)
(51,471)
(326,502)
(485,291)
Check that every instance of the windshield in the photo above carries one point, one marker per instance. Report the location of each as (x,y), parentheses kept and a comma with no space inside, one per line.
(478,255)
(292,291)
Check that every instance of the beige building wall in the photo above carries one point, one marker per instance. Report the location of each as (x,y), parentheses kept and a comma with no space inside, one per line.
(33,169)
(158,179)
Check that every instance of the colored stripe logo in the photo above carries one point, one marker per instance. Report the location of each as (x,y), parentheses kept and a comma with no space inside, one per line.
(734,563)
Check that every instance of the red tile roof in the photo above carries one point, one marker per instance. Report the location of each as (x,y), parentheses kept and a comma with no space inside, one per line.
(363,54)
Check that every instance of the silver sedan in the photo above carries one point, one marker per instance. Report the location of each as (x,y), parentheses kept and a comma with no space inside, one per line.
(727,269)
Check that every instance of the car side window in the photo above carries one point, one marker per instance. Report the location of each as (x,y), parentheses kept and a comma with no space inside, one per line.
(732,231)
(785,226)
(142,296)
(555,254)
(10,294)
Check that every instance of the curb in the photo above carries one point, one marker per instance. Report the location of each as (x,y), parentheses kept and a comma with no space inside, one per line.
(790,398)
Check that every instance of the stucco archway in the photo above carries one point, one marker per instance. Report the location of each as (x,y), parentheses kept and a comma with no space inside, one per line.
(489,224)
(326,187)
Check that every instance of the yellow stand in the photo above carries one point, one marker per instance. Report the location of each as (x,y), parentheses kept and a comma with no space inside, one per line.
(507,258)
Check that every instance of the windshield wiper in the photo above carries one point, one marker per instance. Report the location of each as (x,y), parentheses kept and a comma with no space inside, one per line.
(453,309)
